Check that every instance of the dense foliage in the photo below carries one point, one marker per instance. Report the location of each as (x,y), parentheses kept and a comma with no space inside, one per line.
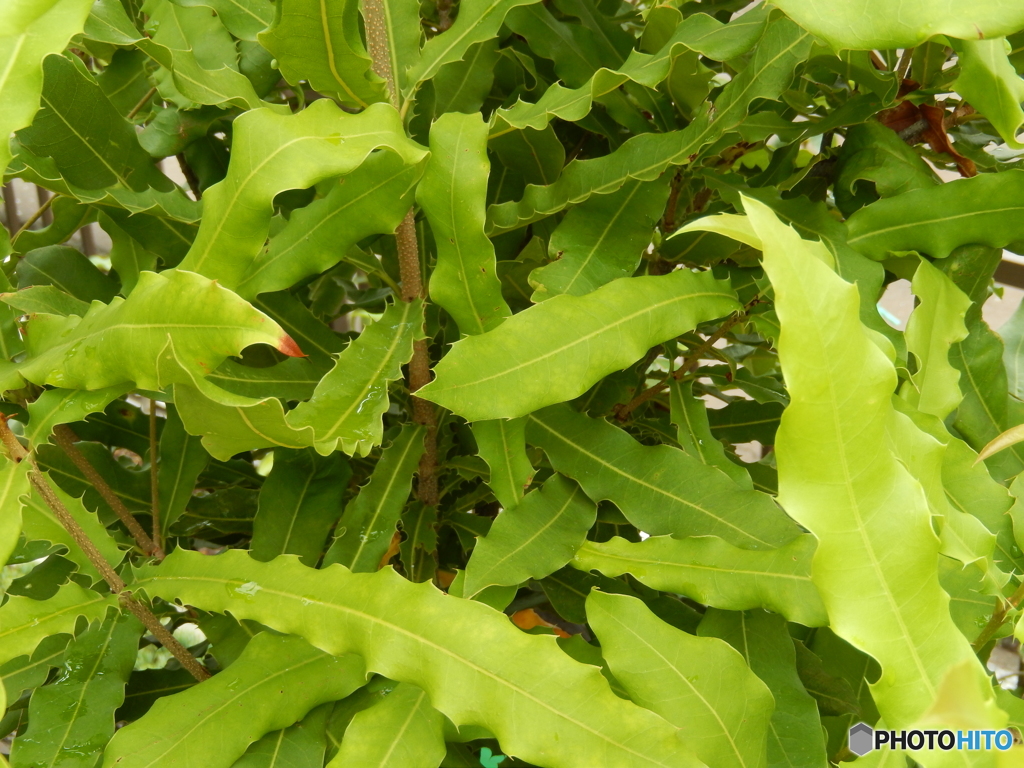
(604,243)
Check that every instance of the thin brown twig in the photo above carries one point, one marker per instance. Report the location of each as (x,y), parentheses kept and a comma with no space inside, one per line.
(154,478)
(423,412)
(18,453)
(35,216)
(689,363)
(142,102)
(66,439)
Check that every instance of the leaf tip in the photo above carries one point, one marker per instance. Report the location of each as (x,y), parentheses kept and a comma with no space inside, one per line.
(286,345)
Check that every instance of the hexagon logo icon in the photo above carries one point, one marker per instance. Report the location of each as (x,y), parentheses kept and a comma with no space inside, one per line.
(862,739)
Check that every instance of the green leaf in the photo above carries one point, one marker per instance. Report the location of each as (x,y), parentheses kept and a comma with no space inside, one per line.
(63,406)
(698,33)
(348,404)
(986,409)
(601,240)
(478,20)
(318,41)
(452,195)
(745,420)
(815,220)
(463,86)
(313,336)
(1012,333)
(532,539)
(300,502)
(373,199)
(67,269)
(45,299)
(182,460)
(68,216)
(660,489)
(502,444)
(230,424)
(970,489)
(90,143)
(292,379)
(14,484)
(230,510)
(183,42)
(132,486)
(834,695)
(699,684)
(365,531)
(345,411)
(72,719)
(169,214)
(245,19)
(32,30)
(794,733)
(835,463)
(39,522)
(646,156)
(10,337)
(402,731)
(419,547)
(934,326)
(299,746)
(405,632)
(272,153)
(939,219)
(122,341)
(869,24)
(43,581)
(276,681)
(557,350)
(715,573)
(30,671)
(693,433)
(25,622)
(876,154)
(990,83)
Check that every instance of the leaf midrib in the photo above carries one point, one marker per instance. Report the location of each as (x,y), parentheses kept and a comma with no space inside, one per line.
(587,337)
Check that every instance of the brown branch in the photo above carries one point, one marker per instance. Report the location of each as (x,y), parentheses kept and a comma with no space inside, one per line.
(380,54)
(409,271)
(66,439)
(668,221)
(444,15)
(154,478)
(164,637)
(689,363)
(18,453)
(190,175)
(43,196)
(11,207)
